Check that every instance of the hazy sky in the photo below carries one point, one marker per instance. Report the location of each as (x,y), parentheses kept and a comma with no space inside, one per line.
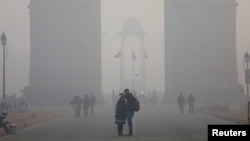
(14,21)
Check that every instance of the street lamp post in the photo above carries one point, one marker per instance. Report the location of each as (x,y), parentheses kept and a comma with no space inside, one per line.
(3,41)
(247,74)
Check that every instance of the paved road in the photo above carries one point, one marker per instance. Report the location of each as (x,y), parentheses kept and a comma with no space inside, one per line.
(159,123)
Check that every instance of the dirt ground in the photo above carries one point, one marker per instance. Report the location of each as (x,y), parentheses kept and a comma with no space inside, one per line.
(32,117)
(239,116)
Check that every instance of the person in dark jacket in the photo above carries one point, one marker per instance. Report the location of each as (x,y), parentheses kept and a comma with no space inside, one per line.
(76,105)
(191,100)
(92,103)
(86,103)
(3,124)
(130,102)
(181,103)
(120,113)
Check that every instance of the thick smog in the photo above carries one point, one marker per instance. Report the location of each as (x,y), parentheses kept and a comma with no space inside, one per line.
(146,70)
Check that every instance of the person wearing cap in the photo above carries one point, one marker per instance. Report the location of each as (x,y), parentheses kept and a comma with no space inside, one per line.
(3,124)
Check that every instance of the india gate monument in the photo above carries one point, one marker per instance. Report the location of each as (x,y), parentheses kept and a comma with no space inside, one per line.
(65,50)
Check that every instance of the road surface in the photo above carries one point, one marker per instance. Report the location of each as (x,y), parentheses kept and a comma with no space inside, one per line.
(151,123)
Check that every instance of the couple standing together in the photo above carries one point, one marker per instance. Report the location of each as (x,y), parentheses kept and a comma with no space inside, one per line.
(124,110)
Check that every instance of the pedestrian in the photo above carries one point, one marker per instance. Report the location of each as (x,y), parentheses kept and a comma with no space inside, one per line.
(3,124)
(154,98)
(92,103)
(130,108)
(86,103)
(76,105)
(120,114)
(181,103)
(190,100)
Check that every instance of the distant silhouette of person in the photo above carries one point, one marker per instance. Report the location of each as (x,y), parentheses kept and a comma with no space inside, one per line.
(86,103)
(181,103)
(3,124)
(120,113)
(190,101)
(76,105)
(154,98)
(92,103)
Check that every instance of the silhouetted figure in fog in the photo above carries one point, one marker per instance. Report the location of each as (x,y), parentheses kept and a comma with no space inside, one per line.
(130,102)
(190,101)
(154,98)
(86,103)
(3,124)
(181,103)
(120,113)
(76,105)
(92,103)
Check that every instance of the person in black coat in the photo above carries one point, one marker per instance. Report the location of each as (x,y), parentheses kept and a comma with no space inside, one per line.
(120,114)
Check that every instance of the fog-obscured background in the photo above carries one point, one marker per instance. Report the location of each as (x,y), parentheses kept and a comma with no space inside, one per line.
(14,21)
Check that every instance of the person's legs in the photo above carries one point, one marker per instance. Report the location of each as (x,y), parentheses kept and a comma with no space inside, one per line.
(84,111)
(120,128)
(92,109)
(181,110)
(87,111)
(192,108)
(78,110)
(130,122)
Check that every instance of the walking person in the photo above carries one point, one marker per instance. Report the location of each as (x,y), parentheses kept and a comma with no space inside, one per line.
(76,105)
(120,114)
(191,99)
(181,103)
(130,108)
(86,103)
(92,103)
